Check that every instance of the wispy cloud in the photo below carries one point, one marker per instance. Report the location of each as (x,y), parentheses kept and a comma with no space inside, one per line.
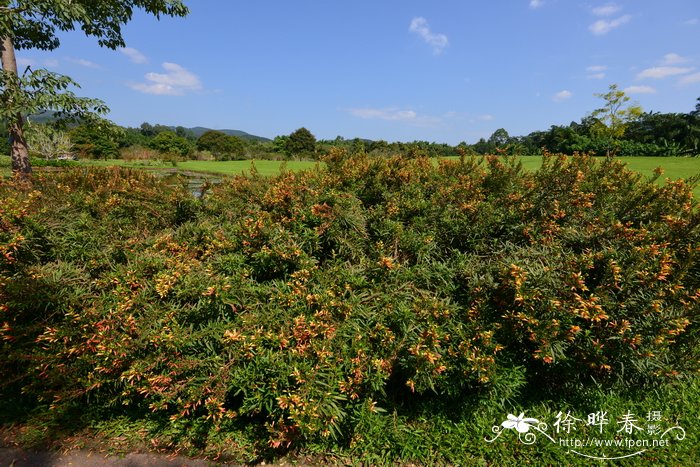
(690,79)
(660,72)
(596,71)
(536,3)
(674,59)
(83,62)
(395,114)
(384,114)
(596,68)
(486,118)
(603,26)
(438,42)
(561,96)
(134,55)
(640,90)
(175,82)
(692,22)
(25,62)
(606,10)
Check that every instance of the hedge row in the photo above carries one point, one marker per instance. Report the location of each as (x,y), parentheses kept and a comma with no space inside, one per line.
(304,302)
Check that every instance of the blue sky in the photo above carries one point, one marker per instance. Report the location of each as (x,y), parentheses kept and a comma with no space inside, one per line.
(399,70)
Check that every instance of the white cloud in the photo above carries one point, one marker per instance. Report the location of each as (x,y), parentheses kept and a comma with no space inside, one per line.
(393,114)
(561,96)
(176,82)
(134,55)
(660,72)
(420,26)
(596,71)
(640,90)
(25,62)
(674,59)
(690,79)
(536,3)
(602,26)
(85,63)
(596,68)
(692,22)
(486,118)
(606,10)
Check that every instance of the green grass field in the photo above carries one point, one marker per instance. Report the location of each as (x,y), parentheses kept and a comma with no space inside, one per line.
(264,167)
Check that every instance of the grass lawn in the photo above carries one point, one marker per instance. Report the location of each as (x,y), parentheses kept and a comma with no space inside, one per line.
(264,167)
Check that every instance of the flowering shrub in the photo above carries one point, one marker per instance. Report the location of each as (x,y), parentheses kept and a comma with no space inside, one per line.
(304,301)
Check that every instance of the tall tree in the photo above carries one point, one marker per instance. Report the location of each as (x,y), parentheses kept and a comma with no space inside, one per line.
(35,24)
(301,143)
(696,112)
(612,119)
(500,138)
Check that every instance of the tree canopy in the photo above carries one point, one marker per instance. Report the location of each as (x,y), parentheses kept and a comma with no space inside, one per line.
(301,143)
(612,119)
(35,24)
(221,145)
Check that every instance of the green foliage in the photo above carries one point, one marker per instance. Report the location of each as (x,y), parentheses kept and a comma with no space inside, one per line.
(36,23)
(96,140)
(167,142)
(4,139)
(222,146)
(620,129)
(38,91)
(301,143)
(303,308)
(48,142)
(612,119)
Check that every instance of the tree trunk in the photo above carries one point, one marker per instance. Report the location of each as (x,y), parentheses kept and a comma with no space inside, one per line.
(15,126)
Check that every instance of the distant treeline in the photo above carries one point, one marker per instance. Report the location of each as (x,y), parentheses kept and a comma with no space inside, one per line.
(650,134)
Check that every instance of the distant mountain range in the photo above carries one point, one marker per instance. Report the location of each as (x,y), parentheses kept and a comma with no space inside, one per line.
(47,117)
(199,131)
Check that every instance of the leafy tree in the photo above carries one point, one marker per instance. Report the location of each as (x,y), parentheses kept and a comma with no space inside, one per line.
(168,142)
(96,141)
(182,132)
(221,145)
(696,112)
(500,138)
(4,139)
(612,120)
(147,130)
(301,143)
(379,147)
(48,142)
(483,147)
(279,144)
(35,24)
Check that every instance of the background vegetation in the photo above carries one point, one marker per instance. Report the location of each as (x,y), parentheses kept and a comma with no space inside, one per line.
(618,128)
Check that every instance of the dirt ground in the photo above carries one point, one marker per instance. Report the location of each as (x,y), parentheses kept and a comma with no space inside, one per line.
(12,457)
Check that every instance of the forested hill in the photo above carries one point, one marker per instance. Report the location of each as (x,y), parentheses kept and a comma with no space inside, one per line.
(48,117)
(199,131)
